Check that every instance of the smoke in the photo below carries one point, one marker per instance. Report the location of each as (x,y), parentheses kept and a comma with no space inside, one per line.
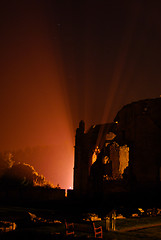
(12,173)
(6,162)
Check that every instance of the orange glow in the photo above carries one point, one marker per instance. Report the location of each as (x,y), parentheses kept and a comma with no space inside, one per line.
(36,102)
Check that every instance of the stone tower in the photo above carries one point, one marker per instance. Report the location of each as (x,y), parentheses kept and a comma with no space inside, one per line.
(80,165)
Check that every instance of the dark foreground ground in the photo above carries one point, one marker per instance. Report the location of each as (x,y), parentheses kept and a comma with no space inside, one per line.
(48,233)
(50,224)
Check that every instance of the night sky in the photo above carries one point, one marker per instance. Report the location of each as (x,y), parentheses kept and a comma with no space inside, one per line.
(63,61)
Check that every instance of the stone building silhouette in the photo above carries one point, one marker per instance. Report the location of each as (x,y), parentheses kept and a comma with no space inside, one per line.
(121,156)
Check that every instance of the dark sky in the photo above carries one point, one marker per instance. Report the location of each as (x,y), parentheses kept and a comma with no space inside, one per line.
(63,61)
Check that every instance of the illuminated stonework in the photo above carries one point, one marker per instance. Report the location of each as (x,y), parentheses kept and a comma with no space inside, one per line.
(110,136)
(105,160)
(120,159)
(95,154)
(124,158)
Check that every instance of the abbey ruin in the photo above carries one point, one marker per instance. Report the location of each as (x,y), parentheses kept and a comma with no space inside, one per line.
(121,156)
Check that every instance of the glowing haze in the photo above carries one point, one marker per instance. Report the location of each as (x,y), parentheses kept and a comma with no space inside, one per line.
(34,108)
(66,60)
